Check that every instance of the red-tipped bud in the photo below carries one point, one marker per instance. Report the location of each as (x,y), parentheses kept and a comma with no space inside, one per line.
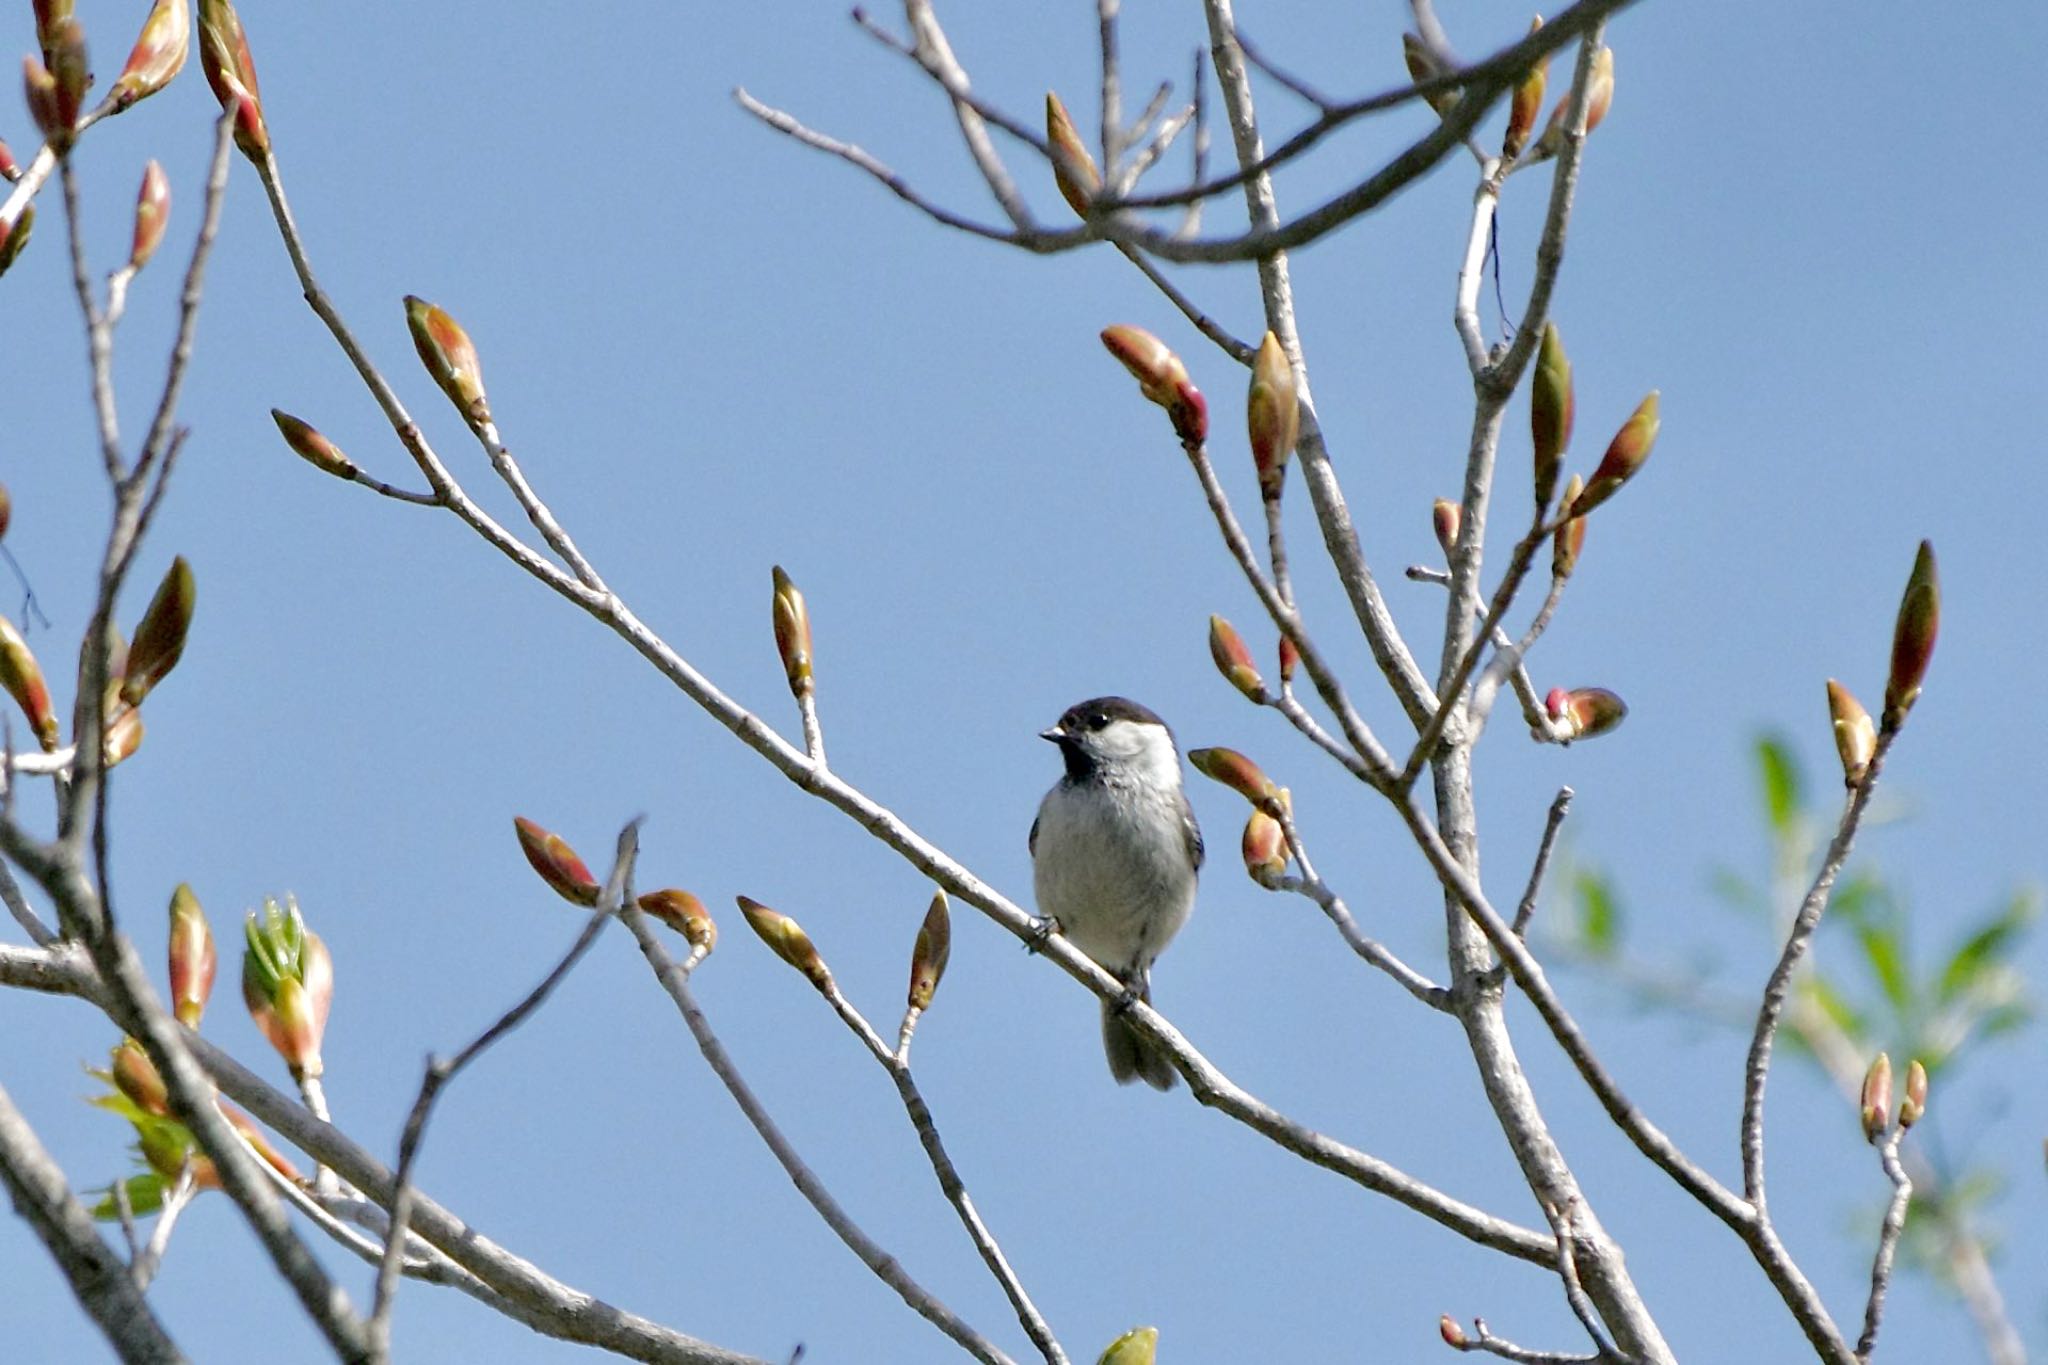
(1570,537)
(1241,775)
(160,639)
(1445,518)
(1423,66)
(159,53)
(1290,659)
(288,984)
(685,914)
(1162,378)
(1585,711)
(928,957)
(1913,638)
(1551,408)
(1272,414)
(224,57)
(793,635)
(1525,104)
(788,939)
(556,862)
(1855,735)
(1876,1101)
(192,956)
(309,445)
(14,236)
(1625,455)
(1234,660)
(123,733)
(1073,169)
(1453,1335)
(450,358)
(152,215)
(22,676)
(1265,849)
(135,1076)
(1914,1107)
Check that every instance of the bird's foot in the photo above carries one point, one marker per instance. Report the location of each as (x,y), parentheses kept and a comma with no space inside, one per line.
(1041,934)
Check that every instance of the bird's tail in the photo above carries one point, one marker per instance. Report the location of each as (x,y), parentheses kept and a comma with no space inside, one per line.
(1133,1056)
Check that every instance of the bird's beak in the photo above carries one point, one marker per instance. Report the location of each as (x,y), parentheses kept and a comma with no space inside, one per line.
(1055,734)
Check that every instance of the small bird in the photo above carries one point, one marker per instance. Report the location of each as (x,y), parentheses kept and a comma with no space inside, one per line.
(1114,853)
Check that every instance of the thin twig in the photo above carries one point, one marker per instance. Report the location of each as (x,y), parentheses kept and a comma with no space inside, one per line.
(1112,90)
(1311,885)
(143,1266)
(1560,806)
(537,512)
(1887,1239)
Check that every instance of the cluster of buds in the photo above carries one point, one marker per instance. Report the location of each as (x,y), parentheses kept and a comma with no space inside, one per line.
(166,1145)
(1855,734)
(788,939)
(309,445)
(55,86)
(1234,661)
(929,955)
(1525,103)
(1272,410)
(1162,378)
(1073,169)
(288,984)
(231,72)
(556,863)
(450,357)
(158,55)
(1626,454)
(22,677)
(192,955)
(1913,638)
(1242,776)
(685,914)
(160,638)
(793,635)
(1584,712)
(1874,1105)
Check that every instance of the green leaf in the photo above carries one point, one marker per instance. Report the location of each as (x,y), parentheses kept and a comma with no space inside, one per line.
(1886,955)
(145,1196)
(1836,1007)
(1780,774)
(1599,914)
(1987,947)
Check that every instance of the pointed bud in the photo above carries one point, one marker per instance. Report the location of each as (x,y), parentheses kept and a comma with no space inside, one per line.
(135,1076)
(556,862)
(1876,1101)
(122,734)
(1139,1346)
(1272,414)
(1162,378)
(192,954)
(22,676)
(160,638)
(1241,775)
(310,446)
(1586,711)
(71,70)
(684,913)
(1913,638)
(1526,103)
(39,90)
(6,510)
(1234,660)
(928,957)
(1914,1107)
(14,236)
(287,983)
(1625,455)
(450,358)
(1599,95)
(168,1147)
(1073,169)
(1265,849)
(1855,736)
(159,53)
(1453,1335)
(1445,518)
(152,215)
(49,14)
(1290,659)
(788,939)
(1423,66)
(1570,537)
(224,57)
(1551,408)
(793,634)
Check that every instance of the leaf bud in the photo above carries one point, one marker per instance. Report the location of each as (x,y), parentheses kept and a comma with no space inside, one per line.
(160,638)
(556,862)
(1525,103)
(1454,1336)
(1876,1101)
(1625,455)
(450,357)
(1551,409)
(1265,849)
(1162,378)
(1139,1346)
(1913,638)
(1234,661)
(192,954)
(1073,169)
(1570,536)
(788,940)
(22,677)
(1290,659)
(928,957)
(135,1076)
(1586,711)
(159,53)
(1241,775)
(1272,414)
(231,72)
(1855,736)
(1423,66)
(793,634)
(312,447)
(684,913)
(287,983)
(1914,1107)
(1446,518)
(14,236)
(152,215)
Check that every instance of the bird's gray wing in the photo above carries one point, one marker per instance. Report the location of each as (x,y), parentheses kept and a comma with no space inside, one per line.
(1031,844)
(1191,834)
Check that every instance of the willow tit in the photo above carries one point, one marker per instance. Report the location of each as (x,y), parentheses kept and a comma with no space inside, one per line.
(1114,853)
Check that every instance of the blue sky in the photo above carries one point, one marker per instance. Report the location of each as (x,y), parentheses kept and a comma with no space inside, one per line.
(1811,227)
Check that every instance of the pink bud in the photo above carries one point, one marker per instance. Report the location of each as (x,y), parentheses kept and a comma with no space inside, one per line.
(557,863)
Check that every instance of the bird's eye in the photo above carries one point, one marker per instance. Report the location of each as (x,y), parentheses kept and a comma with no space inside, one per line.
(1097,720)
